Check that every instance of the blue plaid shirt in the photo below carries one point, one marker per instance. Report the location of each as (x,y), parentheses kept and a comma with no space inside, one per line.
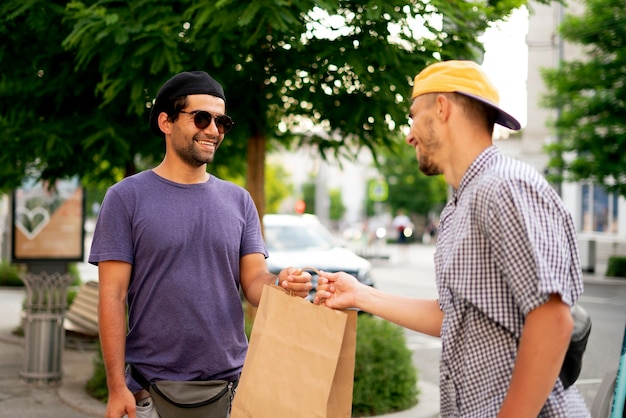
(505,244)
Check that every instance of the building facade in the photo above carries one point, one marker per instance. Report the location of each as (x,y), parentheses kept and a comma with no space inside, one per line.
(600,217)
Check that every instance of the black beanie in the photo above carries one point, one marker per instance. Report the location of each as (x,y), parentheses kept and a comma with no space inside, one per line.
(183,84)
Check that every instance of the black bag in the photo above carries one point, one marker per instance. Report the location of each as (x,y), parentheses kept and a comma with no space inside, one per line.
(573,362)
(189,399)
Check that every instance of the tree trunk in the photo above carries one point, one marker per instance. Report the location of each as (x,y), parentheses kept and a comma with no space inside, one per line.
(255,179)
(255,183)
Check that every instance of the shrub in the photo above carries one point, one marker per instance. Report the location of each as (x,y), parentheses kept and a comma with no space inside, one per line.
(97,385)
(10,275)
(616,267)
(385,379)
(72,268)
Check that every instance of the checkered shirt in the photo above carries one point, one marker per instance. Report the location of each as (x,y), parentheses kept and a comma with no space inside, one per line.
(505,244)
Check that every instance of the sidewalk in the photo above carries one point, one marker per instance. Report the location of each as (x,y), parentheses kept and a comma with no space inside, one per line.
(21,399)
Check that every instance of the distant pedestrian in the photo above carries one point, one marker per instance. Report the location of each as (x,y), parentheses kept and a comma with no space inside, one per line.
(430,233)
(400,223)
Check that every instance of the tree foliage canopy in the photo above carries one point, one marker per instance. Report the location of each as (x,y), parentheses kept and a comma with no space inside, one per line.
(589,95)
(78,77)
(410,189)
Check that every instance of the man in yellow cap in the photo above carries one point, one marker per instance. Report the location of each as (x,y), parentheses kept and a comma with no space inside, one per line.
(506,261)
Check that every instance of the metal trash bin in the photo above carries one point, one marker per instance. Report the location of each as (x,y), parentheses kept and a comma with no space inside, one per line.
(46,301)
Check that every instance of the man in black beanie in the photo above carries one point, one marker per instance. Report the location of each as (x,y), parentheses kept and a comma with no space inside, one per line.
(174,245)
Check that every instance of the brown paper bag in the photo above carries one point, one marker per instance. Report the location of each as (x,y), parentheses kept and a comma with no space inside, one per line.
(300,361)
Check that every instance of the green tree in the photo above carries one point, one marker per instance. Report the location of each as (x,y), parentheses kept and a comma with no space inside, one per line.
(277,188)
(409,188)
(308,196)
(589,95)
(337,209)
(78,78)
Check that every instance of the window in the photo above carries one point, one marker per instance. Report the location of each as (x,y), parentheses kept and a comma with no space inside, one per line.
(599,209)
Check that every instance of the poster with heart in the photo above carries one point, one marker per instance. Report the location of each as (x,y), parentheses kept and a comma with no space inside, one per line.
(48,221)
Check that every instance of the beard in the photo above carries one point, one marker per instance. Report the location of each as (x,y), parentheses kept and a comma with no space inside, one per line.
(194,157)
(428,145)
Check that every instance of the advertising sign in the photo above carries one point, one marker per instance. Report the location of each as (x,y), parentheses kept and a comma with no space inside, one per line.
(48,221)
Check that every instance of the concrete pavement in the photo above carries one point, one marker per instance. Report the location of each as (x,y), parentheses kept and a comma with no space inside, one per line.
(21,399)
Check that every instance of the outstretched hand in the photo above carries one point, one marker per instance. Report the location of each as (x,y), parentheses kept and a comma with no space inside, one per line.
(337,290)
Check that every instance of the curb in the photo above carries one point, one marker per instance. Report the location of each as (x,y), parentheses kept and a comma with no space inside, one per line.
(604,280)
(72,393)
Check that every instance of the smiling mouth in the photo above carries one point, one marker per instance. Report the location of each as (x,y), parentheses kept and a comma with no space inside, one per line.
(206,143)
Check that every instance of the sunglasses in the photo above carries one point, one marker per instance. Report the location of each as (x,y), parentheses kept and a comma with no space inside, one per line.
(202,119)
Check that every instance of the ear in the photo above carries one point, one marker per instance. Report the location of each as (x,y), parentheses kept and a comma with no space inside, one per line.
(165,124)
(443,108)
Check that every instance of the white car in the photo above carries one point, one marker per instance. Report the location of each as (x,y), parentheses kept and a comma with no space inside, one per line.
(302,241)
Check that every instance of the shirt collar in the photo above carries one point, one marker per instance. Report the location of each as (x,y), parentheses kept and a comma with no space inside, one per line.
(476,167)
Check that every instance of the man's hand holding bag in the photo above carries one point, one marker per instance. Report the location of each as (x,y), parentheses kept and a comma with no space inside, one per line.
(300,361)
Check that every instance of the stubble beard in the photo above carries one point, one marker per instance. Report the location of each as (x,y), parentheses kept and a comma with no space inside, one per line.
(427,166)
(427,147)
(194,157)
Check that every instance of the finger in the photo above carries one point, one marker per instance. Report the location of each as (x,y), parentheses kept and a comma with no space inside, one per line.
(298,286)
(323,294)
(302,277)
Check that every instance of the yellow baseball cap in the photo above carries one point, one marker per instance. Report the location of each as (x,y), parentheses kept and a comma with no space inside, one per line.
(462,77)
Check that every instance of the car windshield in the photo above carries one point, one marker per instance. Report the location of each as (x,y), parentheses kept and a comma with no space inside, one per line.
(296,237)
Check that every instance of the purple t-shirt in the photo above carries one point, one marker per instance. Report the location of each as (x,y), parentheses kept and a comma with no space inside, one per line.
(184,242)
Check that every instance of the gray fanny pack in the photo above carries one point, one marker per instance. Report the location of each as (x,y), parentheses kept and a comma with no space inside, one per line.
(192,399)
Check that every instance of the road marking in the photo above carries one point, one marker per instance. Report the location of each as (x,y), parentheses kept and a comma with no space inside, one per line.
(588,382)
(603,301)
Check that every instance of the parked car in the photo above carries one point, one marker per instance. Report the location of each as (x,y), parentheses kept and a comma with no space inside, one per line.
(302,241)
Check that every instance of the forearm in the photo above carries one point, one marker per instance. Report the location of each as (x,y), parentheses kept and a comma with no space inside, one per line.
(540,355)
(112,323)
(421,315)
(254,290)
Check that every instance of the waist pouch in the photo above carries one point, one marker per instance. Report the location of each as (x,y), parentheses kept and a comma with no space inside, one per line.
(189,399)
(573,362)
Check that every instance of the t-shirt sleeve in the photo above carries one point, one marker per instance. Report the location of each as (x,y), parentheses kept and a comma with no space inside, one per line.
(252,239)
(112,239)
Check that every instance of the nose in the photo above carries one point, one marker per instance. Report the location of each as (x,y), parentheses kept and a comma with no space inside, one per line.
(410,139)
(212,128)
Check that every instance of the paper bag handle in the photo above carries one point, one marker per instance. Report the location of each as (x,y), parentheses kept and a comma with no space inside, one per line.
(290,292)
